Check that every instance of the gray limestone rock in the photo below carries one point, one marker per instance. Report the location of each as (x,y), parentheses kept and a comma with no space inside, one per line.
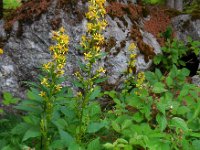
(185,26)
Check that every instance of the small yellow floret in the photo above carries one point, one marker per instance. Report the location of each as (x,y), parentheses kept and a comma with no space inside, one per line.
(42,94)
(58,87)
(132,47)
(1,51)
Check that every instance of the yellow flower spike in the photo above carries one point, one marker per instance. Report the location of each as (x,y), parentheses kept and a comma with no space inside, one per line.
(132,47)
(1,51)
(42,94)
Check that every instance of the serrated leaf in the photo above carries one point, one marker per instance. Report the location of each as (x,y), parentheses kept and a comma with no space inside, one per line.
(179,123)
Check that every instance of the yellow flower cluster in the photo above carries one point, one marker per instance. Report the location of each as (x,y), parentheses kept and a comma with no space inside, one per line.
(58,52)
(96,24)
(131,63)
(1,51)
(140,80)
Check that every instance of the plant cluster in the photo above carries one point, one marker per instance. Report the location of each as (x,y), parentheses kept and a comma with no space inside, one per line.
(173,51)
(151,110)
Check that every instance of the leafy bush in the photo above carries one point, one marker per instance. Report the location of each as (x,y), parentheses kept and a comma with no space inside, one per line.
(173,51)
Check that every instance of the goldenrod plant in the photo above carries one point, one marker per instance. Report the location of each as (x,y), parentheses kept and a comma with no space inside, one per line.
(50,85)
(88,76)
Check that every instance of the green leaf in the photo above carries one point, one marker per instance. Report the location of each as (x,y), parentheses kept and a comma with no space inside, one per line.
(158,73)
(127,123)
(20,128)
(157,59)
(169,81)
(100,80)
(162,121)
(95,126)
(95,93)
(116,126)
(31,133)
(179,123)
(66,137)
(9,99)
(57,144)
(159,88)
(161,107)
(94,145)
(78,84)
(182,110)
(196,144)
(109,146)
(138,117)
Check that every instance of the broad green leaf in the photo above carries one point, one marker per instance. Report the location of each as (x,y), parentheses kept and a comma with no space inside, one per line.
(58,144)
(196,144)
(116,126)
(157,59)
(159,87)
(20,128)
(95,126)
(179,123)
(127,123)
(66,137)
(94,145)
(108,146)
(31,133)
(158,73)
(138,117)
(162,121)
(169,81)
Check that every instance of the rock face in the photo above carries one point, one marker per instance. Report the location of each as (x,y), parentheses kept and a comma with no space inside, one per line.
(26,44)
(186,25)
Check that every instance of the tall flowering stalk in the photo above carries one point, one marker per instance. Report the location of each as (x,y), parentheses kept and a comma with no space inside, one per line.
(91,46)
(50,83)
(138,81)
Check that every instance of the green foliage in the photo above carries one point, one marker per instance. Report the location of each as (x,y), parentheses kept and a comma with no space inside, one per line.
(159,114)
(11,4)
(173,51)
(153,1)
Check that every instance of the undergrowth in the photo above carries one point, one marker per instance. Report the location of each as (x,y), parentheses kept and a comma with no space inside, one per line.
(152,110)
